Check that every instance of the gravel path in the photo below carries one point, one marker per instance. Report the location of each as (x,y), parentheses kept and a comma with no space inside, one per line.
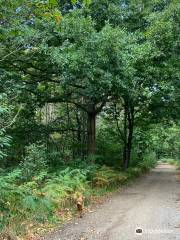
(151,203)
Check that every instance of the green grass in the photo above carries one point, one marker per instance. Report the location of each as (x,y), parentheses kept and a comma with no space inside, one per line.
(175,162)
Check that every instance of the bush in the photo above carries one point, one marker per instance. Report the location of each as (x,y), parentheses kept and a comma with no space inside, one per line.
(37,199)
(141,167)
(134,172)
(177,163)
(7,235)
(20,200)
(4,143)
(34,161)
(40,198)
(106,176)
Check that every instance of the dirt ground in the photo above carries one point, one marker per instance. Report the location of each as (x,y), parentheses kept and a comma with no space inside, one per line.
(150,204)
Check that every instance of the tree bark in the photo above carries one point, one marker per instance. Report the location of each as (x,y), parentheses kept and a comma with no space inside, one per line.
(78,121)
(128,133)
(91,133)
(129,148)
(125,158)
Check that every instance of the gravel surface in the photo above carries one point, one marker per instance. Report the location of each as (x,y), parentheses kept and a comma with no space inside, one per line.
(151,204)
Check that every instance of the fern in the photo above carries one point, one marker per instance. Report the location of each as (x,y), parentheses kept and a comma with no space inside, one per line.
(41,196)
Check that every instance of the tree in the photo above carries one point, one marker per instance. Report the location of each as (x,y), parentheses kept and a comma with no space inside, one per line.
(68,54)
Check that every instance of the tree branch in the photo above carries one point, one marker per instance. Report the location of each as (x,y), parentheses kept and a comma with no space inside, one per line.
(1,60)
(14,119)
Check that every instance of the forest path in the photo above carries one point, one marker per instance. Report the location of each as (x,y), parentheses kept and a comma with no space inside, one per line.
(151,203)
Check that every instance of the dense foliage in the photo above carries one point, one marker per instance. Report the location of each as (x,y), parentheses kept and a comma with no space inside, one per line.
(89,94)
(48,198)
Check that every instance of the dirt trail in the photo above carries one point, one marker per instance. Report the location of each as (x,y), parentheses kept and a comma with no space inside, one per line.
(151,203)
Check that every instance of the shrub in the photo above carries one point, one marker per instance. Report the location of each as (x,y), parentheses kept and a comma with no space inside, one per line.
(40,198)
(7,235)
(134,172)
(106,176)
(34,161)
(178,164)
(4,143)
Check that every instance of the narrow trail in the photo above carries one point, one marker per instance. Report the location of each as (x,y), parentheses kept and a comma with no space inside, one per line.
(151,203)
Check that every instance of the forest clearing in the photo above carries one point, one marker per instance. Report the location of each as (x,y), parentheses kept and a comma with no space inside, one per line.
(89,119)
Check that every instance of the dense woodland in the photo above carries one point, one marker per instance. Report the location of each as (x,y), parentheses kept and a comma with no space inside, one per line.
(89,98)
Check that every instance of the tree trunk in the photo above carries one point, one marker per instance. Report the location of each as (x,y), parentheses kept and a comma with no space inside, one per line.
(128,134)
(131,129)
(129,147)
(84,135)
(78,121)
(91,133)
(125,159)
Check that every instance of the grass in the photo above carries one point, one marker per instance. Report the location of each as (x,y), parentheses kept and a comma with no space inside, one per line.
(47,199)
(175,162)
